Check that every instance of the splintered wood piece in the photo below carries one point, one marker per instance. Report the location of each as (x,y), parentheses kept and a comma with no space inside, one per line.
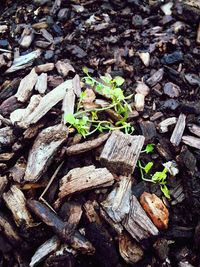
(163,125)
(7,137)
(87,145)
(26,37)
(121,152)
(16,202)
(156,210)
(48,101)
(44,148)
(44,68)
(178,130)
(56,6)
(19,115)
(68,103)
(85,178)
(16,173)
(44,250)
(41,85)
(8,230)
(198,35)
(22,61)
(3,184)
(191,141)
(137,223)
(195,129)
(117,204)
(116,226)
(130,251)
(9,105)
(62,229)
(155,78)
(139,102)
(76,81)
(26,86)
(63,68)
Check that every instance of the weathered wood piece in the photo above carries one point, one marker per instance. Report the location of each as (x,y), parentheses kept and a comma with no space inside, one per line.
(44,68)
(148,130)
(7,137)
(48,101)
(198,35)
(139,102)
(178,130)
(9,105)
(3,184)
(116,226)
(9,88)
(26,37)
(4,157)
(163,125)
(155,78)
(62,229)
(56,6)
(68,103)
(26,86)
(87,145)
(63,68)
(76,81)
(195,129)
(22,61)
(16,202)
(117,204)
(19,115)
(191,141)
(41,85)
(130,251)
(16,173)
(137,223)
(44,250)
(44,148)
(121,152)
(85,178)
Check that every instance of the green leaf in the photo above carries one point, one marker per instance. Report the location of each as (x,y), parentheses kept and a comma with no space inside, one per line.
(165,190)
(70,118)
(119,80)
(89,81)
(85,70)
(149,148)
(148,167)
(106,79)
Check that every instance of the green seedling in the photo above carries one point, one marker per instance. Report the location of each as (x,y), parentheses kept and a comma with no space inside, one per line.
(157,177)
(84,120)
(148,149)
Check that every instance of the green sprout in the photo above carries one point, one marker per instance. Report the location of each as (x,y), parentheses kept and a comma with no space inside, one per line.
(84,120)
(148,149)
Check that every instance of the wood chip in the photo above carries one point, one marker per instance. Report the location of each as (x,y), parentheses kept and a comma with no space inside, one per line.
(191,141)
(44,148)
(7,137)
(87,145)
(139,102)
(121,152)
(63,68)
(85,178)
(163,125)
(3,184)
(195,129)
(44,68)
(41,85)
(26,86)
(198,35)
(156,77)
(117,204)
(16,202)
(137,223)
(178,130)
(156,210)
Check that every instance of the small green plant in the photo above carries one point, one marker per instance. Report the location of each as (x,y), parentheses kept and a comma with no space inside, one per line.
(157,177)
(148,149)
(87,121)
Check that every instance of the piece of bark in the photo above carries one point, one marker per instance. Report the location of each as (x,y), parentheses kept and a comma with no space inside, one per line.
(71,212)
(56,6)
(163,125)
(43,150)
(33,130)
(198,35)
(9,231)
(195,129)
(87,145)
(9,89)
(68,103)
(23,61)
(139,102)
(16,202)
(41,84)
(155,78)
(156,210)
(16,173)
(7,138)
(26,37)
(76,81)
(44,68)
(148,130)
(54,81)
(9,105)
(3,184)
(5,121)
(191,141)
(63,68)
(187,159)
(178,130)
(121,152)
(117,204)
(85,178)
(4,157)
(19,115)
(177,194)
(62,229)
(116,226)
(137,223)
(44,250)
(48,101)
(130,251)
(142,88)
(26,86)
(156,116)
